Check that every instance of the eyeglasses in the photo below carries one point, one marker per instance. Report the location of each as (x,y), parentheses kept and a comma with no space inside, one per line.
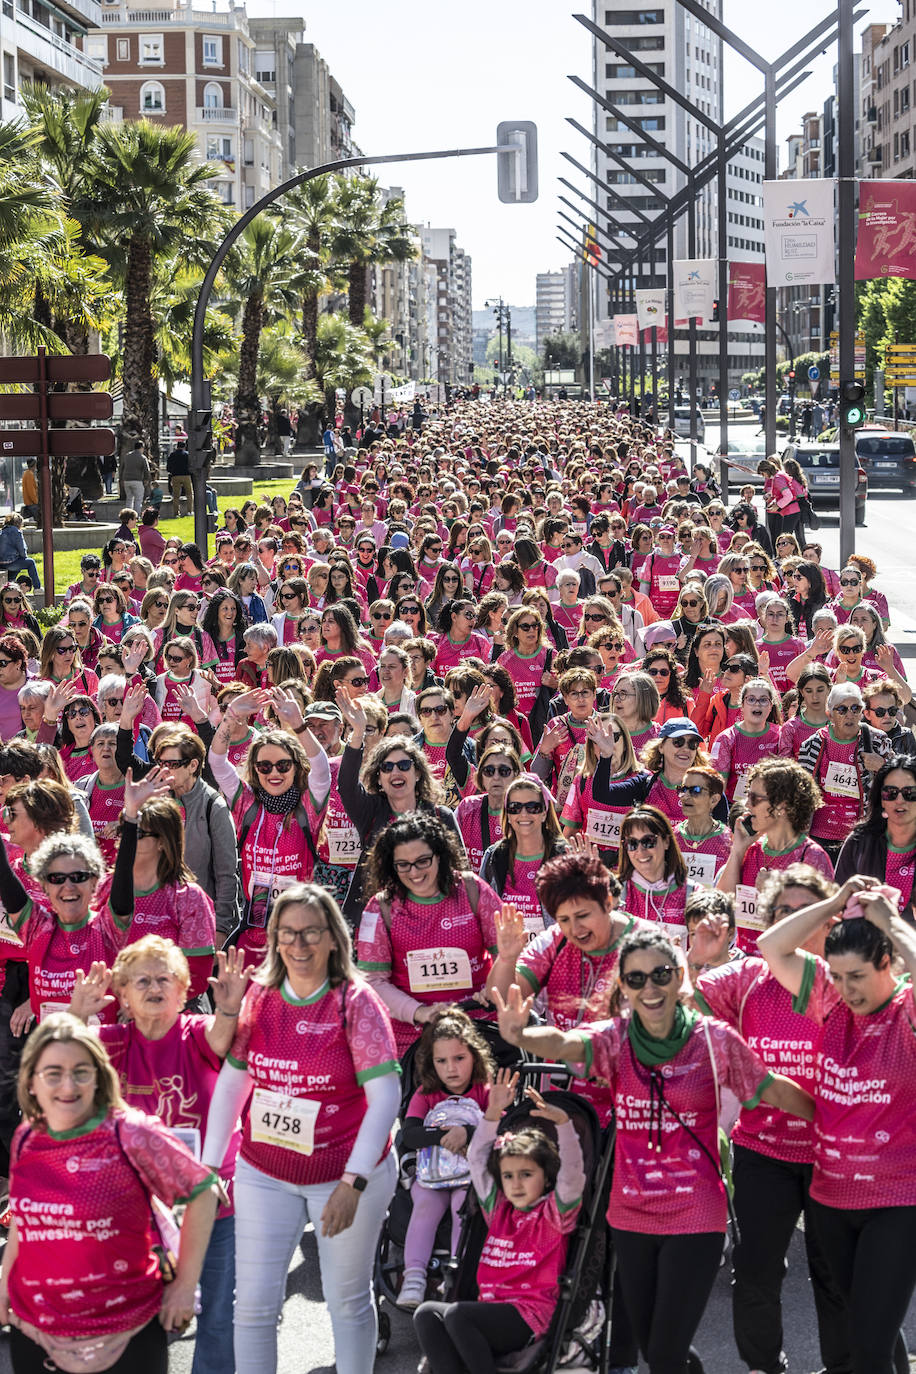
(281,766)
(849,649)
(144,981)
(744,567)
(289,596)
(103,600)
(311,935)
(5,663)
(756,798)
(643,842)
(850,582)
(892,793)
(515,808)
(588,616)
(661,976)
(847,710)
(528,626)
(402,765)
(691,604)
(356,682)
(163,762)
(66,649)
(78,712)
(882,711)
(434,710)
(502,770)
(695,789)
(381,615)
(80,1077)
(310,629)
(80,876)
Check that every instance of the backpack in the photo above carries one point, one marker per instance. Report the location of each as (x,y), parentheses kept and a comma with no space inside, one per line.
(248,820)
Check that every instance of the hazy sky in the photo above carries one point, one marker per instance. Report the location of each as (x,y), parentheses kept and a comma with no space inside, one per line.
(429,75)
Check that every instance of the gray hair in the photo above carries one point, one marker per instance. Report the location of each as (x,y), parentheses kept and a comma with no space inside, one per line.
(844,691)
(341,968)
(36,689)
(568,575)
(261,634)
(111,682)
(396,633)
(66,846)
(715,585)
(107,730)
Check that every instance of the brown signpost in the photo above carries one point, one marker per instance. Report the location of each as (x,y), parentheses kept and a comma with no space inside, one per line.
(43,406)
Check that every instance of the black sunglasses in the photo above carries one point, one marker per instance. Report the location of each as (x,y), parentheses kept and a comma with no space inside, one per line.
(660,976)
(892,793)
(402,765)
(515,808)
(643,842)
(281,766)
(503,770)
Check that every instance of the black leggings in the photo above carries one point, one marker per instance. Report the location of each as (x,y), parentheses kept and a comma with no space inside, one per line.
(873,1261)
(146,1353)
(459,1336)
(666,1282)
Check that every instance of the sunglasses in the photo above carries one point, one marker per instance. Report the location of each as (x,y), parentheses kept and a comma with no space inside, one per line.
(659,672)
(882,711)
(529,626)
(172,763)
(587,617)
(174,659)
(92,572)
(758,567)
(402,765)
(66,649)
(103,600)
(695,789)
(146,834)
(113,701)
(892,793)
(515,808)
(846,710)
(502,770)
(77,712)
(410,610)
(691,604)
(381,615)
(660,976)
(434,710)
(850,582)
(356,682)
(289,596)
(281,766)
(58,879)
(644,842)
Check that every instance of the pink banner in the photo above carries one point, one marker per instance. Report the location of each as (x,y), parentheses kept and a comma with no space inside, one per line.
(661,333)
(747,292)
(626,330)
(886,244)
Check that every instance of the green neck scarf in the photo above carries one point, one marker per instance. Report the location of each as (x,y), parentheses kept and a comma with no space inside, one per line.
(651,1052)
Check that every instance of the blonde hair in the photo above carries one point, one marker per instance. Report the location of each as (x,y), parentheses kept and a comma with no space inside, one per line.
(150,947)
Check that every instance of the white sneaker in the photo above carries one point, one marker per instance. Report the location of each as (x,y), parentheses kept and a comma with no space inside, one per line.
(413,1289)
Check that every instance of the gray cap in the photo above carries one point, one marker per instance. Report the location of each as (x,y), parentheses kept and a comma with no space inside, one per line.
(322,710)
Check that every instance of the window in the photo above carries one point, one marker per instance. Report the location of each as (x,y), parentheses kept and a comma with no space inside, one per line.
(248,152)
(213,50)
(123,49)
(213,96)
(654,42)
(265,67)
(152,98)
(96,47)
(249,197)
(618,18)
(224,191)
(152,50)
(9,76)
(219,148)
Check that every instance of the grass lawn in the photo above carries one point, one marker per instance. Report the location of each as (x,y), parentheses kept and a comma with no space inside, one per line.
(67,564)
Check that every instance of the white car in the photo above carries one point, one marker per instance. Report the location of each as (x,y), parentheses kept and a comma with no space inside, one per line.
(682,424)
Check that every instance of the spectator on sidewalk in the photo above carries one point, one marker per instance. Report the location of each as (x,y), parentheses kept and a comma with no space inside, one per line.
(180,477)
(14,556)
(135,475)
(30,507)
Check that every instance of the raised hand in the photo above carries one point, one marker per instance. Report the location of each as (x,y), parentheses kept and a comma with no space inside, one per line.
(132,705)
(59,697)
(248,704)
(511,936)
(477,702)
(287,709)
(514,1012)
(189,704)
(553,736)
(229,985)
(548,1110)
(133,655)
(501,1094)
(601,734)
(710,940)
(136,794)
(350,709)
(583,844)
(90,994)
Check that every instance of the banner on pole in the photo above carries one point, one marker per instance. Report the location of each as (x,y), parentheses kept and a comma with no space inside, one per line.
(695,285)
(747,292)
(650,308)
(603,334)
(886,245)
(626,330)
(661,333)
(798,231)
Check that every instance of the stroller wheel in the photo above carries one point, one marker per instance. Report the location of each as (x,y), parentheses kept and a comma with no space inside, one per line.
(384,1333)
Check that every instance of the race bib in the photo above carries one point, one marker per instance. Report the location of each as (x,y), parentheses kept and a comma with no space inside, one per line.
(189,1136)
(603,827)
(265,889)
(439,970)
(288,1122)
(701,868)
(343,845)
(668,582)
(740,787)
(46,1009)
(746,908)
(841,780)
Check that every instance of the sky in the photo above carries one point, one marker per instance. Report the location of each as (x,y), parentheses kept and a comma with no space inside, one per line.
(426,76)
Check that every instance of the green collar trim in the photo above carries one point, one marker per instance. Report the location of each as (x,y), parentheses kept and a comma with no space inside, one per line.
(75,1131)
(303,1001)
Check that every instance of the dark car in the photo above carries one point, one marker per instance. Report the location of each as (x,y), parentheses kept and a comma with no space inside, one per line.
(820,464)
(888,458)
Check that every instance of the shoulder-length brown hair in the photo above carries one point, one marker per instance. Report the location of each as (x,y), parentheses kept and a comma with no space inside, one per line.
(428,788)
(341,968)
(62,1028)
(655,821)
(451,1024)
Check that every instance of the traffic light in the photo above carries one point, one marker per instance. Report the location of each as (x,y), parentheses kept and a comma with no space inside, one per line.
(852,405)
(517,166)
(791,374)
(200,440)
(715,310)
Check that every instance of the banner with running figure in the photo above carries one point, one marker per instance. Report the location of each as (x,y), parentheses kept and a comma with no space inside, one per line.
(886,245)
(799,232)
(747,292)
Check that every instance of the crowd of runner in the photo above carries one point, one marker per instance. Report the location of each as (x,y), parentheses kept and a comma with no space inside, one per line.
(508,712)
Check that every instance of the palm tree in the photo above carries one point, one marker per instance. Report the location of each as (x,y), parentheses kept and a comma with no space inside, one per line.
(264,273)
(369,232)
(343,358)
(146,202)
(312,206)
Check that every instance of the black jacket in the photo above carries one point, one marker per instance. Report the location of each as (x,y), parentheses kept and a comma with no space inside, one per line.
(865,852)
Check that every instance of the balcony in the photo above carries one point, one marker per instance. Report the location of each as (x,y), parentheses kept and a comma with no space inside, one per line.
(208,19)
(217,114)
(874,156)
(112,114)
(44,47)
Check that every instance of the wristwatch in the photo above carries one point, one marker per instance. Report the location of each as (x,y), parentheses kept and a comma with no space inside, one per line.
(356,1181)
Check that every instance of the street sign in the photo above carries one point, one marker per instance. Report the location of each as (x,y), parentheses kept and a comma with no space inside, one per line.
(361,397)
(93,367)
(62,405)
(62,443)
(734,394)
(814,374)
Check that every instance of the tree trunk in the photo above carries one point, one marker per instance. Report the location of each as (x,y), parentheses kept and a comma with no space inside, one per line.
(310,316)
(247,402)
(358,289)
(137,356)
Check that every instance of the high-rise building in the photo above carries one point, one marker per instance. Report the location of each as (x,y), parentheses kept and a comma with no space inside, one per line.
(556,303)
(44,43)
(894,60)
(449,323)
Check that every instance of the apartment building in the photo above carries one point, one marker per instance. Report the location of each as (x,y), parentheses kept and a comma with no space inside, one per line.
(556,303)
(43,43)
(449,326)
(894,72)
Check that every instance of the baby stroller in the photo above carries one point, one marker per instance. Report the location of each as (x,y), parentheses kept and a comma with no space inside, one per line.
(579,1332)
(389,1255)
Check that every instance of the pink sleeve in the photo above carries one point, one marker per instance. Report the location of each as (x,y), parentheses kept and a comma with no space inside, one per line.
(721,753)
(488,903)
(817,996)
(602,1050)
(373,941)
(572,807)
(369,1032)
(165,1165)
(196,920)
(723,989)
(536,960)
(736,1064)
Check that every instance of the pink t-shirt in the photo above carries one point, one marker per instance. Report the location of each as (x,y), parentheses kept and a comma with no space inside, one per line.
(470,822)
(275,855)
(339,843)
(601,822)
(793,735)
(836,773)
(181,912)
(172,1078)
(321,1049)
(746,995)
(78,763)
(781,653)
(865,1102)
(662,906)
(105,807)
(664,586)
(899,871)
(526,674)
(85,1264)
(677,1189)
(735,752)
(663,794)
(55,952)
(436,951)
(707,855)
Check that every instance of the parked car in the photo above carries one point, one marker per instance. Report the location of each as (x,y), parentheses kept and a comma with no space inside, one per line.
(745,451)
(889,459)
(682,424)
(820,464)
